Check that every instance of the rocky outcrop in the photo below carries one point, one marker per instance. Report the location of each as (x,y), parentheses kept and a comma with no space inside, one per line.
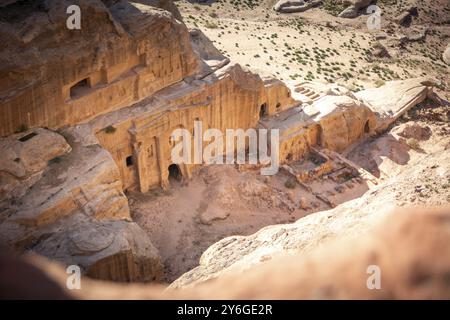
(42,85)
(24,158)
(355,9)
(405,18)
(290,6)
(380,51)
(66,203)
(446,55)
(398,97)
(402,248)
(115,100)
(234,255)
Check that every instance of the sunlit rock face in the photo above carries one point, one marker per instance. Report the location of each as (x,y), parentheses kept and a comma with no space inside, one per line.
(52,76)
(88,114)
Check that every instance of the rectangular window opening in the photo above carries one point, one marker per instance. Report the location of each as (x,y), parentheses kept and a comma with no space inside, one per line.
(80,88)
(129,161)
(28,137)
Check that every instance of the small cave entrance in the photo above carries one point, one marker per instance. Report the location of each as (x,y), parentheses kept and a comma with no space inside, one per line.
(263,110)
(278,107)
(289,157)
(80,88)
(367,127)
(175,175)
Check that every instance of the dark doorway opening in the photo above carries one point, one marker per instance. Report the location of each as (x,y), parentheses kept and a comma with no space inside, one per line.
(175,173)
(28,137)
(367,127)
(129,161)
(263,110)
(79,89)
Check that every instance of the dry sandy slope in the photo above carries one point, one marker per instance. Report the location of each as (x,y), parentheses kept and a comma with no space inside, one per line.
(319,46)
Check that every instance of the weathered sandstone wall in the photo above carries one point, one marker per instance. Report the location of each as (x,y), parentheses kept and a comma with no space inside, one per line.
(112,58)
(62,198)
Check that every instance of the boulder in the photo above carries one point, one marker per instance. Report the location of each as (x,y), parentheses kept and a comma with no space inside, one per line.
(290,6)
(405,18)
(106,250)
(355,8)
(398,97)
(349,13)
(380,51)
(24,158)
(360,4)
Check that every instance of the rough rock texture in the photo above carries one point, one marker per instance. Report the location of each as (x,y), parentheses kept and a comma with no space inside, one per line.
(24,158)
(405,18)
(72,209)
(343,120)
(398,97)
(355,8)
(53,204)
(446,55)
(403,246)
(289,6)
(42,85)
(380,51)
(354,219)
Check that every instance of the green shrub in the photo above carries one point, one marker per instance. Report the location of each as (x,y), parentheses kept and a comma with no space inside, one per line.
(290,183)
(110,130)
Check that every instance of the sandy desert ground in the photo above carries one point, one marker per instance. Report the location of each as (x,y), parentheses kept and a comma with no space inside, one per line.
(317,45)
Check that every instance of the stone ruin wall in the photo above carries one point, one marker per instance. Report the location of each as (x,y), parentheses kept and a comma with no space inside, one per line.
(226,103)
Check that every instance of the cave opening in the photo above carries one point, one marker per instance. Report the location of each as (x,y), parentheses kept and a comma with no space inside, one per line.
(174,173)
(263,110)
(367,127)
(79,88)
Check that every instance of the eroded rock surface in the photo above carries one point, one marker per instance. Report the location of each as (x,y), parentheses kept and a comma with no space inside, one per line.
(73,210)
(446,55)
(355,8)
(289,6)
(354,219)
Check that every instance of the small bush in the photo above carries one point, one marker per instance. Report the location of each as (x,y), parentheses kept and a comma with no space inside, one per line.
(22,128)
(290,183)
(110,129)
(211,25)
(54,160)
(413,143)
(379,83)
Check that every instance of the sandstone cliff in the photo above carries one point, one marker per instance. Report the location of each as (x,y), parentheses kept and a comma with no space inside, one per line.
(64,200)
(53,76)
